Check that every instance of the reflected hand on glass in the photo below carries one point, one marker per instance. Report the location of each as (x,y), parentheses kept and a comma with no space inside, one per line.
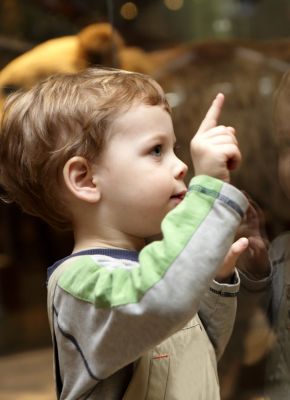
(254,262)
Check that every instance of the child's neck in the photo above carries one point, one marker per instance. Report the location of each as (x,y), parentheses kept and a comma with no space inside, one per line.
(128,243)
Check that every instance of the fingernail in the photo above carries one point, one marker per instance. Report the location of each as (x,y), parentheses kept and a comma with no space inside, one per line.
(231,129)
(244,242)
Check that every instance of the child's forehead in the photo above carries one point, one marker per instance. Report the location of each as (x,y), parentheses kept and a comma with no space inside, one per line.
(142,123)
(142,113)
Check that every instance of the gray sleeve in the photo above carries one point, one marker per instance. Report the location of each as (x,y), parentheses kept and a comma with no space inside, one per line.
(218,311)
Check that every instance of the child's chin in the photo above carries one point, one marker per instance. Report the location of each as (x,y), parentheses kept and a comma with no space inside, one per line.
(157,236)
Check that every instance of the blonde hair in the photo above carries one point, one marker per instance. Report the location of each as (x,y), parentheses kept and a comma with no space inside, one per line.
(66,115)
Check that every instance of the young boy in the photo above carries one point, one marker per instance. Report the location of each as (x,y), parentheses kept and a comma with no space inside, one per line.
(95,152)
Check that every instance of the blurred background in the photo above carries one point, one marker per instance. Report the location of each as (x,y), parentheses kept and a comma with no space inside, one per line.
(194,48)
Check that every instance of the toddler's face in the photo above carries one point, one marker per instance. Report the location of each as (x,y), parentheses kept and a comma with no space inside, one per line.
(140,177)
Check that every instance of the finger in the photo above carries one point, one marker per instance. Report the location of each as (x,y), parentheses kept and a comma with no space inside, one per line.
(255,212)
(221,135)
(252,213)
(230,260)
(258,243)
(234,253)
(232,155)
(212,116)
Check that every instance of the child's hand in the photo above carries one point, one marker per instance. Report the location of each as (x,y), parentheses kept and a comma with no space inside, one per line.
(254,262)
(214,148)
(226,270)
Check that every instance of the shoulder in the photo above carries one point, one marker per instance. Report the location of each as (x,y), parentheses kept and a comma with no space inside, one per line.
(98,279)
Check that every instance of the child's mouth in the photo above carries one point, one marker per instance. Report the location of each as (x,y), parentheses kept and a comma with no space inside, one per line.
(179,196)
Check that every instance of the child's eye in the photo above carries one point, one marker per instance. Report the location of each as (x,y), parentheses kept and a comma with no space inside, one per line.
(157,150)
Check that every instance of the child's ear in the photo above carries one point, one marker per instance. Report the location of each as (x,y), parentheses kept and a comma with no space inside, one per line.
(80,180)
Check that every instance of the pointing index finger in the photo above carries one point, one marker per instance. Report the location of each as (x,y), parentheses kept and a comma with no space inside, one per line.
(212,116)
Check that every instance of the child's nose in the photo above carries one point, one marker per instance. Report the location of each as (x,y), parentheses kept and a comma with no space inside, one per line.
(181,169)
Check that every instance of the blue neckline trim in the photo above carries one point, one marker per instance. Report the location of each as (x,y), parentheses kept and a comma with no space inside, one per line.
(115,253)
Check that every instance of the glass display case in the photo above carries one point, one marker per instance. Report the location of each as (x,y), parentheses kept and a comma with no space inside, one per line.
(194,49)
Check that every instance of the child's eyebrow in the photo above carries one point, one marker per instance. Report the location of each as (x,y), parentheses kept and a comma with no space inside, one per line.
(163,137)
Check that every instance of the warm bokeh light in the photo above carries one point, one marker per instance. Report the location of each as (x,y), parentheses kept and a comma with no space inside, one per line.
(173,4)
(222,26)
(129,10)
